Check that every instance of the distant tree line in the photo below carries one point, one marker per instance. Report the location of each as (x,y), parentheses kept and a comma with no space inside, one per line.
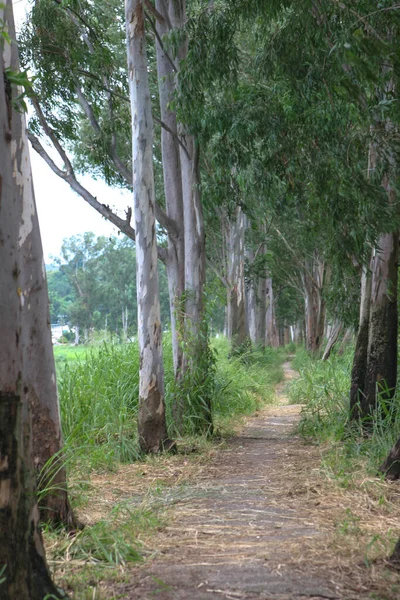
(92,286)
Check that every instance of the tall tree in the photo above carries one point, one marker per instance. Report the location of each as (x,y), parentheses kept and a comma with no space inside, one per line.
(39,366)
(151,417)
(22,555)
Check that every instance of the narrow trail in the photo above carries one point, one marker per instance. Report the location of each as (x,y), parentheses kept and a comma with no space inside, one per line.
(252,526)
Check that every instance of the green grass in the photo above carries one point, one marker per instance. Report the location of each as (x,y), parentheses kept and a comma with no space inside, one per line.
(98,390)
(245,382)
(323,387)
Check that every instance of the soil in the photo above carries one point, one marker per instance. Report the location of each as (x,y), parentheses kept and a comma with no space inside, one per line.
(257,522)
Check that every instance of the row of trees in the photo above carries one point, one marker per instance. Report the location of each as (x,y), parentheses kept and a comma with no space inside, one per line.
(273,161)
(284,156)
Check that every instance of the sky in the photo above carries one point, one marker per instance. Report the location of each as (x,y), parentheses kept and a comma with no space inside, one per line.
(62,213)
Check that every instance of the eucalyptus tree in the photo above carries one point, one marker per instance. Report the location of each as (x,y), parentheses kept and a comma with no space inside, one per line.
(90,111)
(151,415)
(24,572)
(39,367)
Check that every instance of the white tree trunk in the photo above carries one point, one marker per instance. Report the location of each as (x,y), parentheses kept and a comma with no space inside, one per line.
(37,347)
(237,323)
(175,263)
(271,331)
(151,417)
(313,280)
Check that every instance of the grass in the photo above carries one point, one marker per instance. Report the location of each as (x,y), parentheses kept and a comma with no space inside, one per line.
(349,459)
(245,382)
(98,391)
(323,388)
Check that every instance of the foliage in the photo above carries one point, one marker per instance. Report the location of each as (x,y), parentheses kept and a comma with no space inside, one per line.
(94,286)
(98,400)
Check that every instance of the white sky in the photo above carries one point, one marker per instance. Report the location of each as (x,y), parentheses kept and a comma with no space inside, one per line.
(62,213)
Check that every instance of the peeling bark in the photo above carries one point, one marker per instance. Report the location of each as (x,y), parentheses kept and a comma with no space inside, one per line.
(237,323)
(21,546)
(151,415)
(37,347)
(175,263)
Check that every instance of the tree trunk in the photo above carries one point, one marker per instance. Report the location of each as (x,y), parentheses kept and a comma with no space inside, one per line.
(36,343)
(271,332)
(151,415)
(391,465)
(333,338)
(313,282)
(360,359)
(21,547)
(251,299)
(395,557)
(237,325)
(256,295)
(381,371)
(175,263)
(286,335)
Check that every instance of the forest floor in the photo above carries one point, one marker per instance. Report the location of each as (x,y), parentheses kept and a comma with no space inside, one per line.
(256,520)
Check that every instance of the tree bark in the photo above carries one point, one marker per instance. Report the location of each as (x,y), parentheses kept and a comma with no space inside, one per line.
(256,295)
(313,281)
(395,557)
(237,324)
(271,331)
(381,371)
(36,342)
(151,415)
(391,466)
(333,338)
(21,547)
(360,359)
(175,263)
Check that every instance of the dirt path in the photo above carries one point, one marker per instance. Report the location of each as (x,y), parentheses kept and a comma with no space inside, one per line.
(253,526)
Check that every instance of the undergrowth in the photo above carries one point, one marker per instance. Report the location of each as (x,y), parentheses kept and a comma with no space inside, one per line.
(323,387)
(99,395)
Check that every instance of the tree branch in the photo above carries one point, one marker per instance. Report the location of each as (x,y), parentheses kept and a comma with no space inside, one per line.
(51,135)
(222,279)
(152,9)
(159,40)
(104,210)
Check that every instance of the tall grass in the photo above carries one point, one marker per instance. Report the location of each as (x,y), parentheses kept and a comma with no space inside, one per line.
(98,400)
(244,382)
(323,387)
(99,396)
